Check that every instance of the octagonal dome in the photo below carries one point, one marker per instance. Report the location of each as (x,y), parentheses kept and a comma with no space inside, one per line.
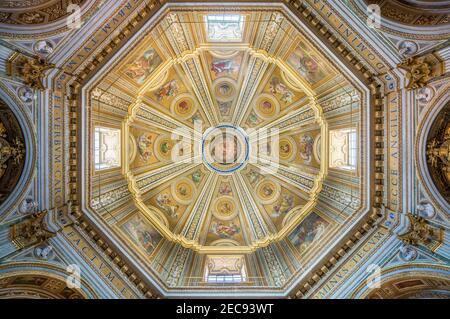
(216,152)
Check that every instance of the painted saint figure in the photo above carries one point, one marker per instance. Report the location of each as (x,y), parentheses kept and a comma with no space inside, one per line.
(167,205)
(222,66)
(144,143)
(278,87)
(168,89)
(142,234)
(306,148)
(310,230)
(143,66)
(225,231)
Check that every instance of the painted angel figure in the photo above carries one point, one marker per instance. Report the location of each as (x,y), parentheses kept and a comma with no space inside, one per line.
(144,142)
(278,87)
(225,231)
(306,148)
(168,89)
(285,204)
(221,66)
(165,203)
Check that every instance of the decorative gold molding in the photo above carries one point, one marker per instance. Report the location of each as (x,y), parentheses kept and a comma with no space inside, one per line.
(432,271)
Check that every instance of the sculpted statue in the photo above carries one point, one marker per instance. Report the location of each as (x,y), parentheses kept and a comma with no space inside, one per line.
(43,252)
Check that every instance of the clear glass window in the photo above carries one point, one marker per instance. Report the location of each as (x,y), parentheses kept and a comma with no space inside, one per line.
(224,27)
(343,149)
(106,148)
(225,269)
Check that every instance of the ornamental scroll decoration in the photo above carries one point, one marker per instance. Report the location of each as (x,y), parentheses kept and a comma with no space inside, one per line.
(30,69)
(421,232)
(31,231)
(420,70)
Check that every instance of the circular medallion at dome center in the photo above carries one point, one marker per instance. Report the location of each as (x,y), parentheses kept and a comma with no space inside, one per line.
(225,148)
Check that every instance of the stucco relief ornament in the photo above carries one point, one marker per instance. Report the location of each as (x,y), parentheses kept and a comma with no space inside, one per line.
(425,94)
(31,231)
(418,73)
(407,48)
(420,232)
(408,253)
(30,70)
(25,94)
(419,70)
(27,206)
(426,210)
(44,252)
(43,47)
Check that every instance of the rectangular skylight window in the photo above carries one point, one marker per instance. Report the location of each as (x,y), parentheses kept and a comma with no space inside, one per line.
(225,269)
(224,27)
(221,279)
(106,148)
(343,148)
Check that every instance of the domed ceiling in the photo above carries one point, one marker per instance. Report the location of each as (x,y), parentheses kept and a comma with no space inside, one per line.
(224,147)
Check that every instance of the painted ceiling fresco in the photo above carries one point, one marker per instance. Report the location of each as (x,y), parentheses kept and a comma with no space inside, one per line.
(224,146)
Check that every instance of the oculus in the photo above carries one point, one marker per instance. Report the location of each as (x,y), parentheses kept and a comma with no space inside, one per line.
(225,148)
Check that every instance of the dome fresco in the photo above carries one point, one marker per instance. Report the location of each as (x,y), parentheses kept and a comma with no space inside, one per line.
(160,149)
(222,151)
